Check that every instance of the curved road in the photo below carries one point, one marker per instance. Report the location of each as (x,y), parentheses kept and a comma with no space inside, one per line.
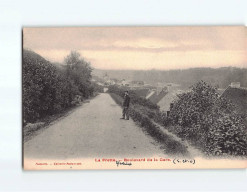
(92,130)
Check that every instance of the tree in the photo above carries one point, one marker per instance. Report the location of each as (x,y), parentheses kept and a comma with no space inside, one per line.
(79,70)
(209,121)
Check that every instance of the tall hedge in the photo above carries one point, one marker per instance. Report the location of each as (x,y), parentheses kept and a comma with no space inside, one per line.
(47,89)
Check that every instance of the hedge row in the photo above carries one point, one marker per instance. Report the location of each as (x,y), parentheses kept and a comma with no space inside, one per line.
(201,116)
(47,89)
(141,116)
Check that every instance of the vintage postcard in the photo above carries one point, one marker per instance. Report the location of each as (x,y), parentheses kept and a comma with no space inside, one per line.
(134,97)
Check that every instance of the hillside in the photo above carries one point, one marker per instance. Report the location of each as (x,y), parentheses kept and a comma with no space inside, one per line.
(31,56)
(220,77)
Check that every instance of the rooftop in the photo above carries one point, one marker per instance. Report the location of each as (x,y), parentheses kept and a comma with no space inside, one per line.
(238,96)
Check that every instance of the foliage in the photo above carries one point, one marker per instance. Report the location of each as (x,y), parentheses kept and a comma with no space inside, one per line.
(141,116)
(79,71)
(47,89)
(209,121)
(135,99)
(96,87)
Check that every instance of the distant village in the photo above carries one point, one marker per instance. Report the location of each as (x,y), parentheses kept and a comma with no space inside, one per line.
(163,94)
(160,93)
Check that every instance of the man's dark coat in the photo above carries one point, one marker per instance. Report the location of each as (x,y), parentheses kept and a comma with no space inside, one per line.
(126,101)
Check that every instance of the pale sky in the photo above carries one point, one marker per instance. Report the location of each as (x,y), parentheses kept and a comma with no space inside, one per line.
(143,47)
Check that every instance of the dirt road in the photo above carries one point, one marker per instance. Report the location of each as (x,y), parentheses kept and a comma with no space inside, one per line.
(92,130)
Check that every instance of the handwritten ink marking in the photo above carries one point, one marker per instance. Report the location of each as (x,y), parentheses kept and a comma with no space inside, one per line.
(182,161)
(123,163)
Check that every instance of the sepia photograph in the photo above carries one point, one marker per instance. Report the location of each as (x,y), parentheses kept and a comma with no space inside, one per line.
(153,97)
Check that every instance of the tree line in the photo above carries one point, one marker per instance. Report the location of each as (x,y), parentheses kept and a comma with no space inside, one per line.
(220,77)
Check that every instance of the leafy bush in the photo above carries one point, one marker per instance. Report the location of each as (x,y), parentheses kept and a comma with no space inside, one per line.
(97,88)
(209,121)
(39,77)
(47,89)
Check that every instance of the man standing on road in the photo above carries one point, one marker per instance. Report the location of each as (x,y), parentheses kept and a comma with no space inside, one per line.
(126,103)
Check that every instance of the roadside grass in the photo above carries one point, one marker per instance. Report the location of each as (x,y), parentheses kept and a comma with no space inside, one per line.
(141,116)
